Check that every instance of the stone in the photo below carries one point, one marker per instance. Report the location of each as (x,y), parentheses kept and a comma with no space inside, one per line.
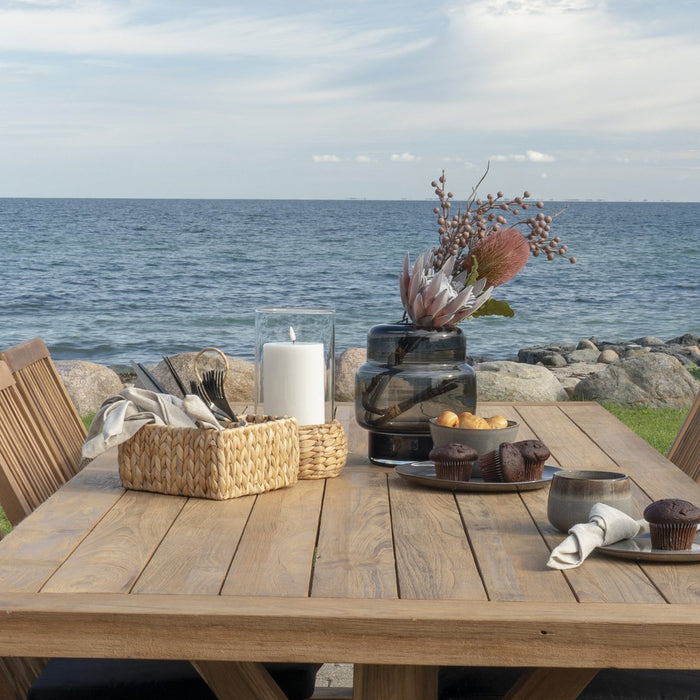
(636,351)
(652,379)
(685,339)
(554,360)
(88,384)
(345,370)
(534,354)
(512,381)
(571,375)
(648,341)
(608,356)
(587,345)
(583,355)
(240,380)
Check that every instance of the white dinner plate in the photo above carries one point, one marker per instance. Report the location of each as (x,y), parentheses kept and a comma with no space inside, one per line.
(639,548)
(424,473)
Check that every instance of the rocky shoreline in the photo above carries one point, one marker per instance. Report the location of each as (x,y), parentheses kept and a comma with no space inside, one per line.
(645,371)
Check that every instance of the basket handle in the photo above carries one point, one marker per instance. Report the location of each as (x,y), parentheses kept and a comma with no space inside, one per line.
(199,355)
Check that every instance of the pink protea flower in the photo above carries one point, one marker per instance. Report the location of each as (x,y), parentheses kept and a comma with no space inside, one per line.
(500,256)
(435,298)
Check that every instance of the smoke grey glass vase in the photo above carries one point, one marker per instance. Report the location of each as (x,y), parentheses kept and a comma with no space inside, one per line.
(411,375)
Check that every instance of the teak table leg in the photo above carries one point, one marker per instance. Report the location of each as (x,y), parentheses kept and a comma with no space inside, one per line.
(373,682)
(231,679)
(547,683)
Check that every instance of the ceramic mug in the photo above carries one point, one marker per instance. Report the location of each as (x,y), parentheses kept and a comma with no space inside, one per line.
(573,492)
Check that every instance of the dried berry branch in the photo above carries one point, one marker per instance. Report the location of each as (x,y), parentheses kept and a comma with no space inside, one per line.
(460,233)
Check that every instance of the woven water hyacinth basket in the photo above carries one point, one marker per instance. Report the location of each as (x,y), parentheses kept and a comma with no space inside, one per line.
(323,450)
(215,464)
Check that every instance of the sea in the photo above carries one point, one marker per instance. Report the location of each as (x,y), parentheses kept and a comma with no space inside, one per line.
(119,280)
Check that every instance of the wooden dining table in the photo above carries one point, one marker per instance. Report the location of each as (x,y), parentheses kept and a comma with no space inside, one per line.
(367,568)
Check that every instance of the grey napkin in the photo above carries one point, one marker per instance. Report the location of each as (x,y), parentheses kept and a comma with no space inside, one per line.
(121,416)
(605,526)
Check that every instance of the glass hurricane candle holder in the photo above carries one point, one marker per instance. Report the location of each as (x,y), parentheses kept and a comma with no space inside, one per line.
(295,363)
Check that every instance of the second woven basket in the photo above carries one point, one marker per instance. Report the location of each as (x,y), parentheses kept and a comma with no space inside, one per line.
(323,450)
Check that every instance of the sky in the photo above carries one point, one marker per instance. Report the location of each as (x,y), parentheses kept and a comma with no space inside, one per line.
(335,99)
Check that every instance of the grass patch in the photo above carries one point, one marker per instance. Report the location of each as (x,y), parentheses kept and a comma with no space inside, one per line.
(658,426)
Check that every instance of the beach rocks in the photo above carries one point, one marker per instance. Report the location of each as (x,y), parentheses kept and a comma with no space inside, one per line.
(653,379)
(88,384)
(643,371)
(512,381)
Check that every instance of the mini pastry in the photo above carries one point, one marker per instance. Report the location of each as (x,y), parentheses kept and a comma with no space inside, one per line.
(497,422)
(469,420)
(534,453)
(673,523)
(448,418)
(505,463)
(453,461)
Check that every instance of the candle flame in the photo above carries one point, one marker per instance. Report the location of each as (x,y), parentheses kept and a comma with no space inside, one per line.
(292,334)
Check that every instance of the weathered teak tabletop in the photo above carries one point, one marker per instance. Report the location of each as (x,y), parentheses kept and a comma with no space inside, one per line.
(363,568)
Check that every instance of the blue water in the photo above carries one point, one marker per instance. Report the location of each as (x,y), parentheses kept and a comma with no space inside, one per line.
(115,280)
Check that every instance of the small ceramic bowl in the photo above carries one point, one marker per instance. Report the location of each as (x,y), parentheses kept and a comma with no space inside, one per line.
(482,441)
(572,493)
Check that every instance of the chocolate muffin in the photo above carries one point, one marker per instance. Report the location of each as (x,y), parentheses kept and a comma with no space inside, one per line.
(534,453)
(673,523)
(453,461)
(505,463)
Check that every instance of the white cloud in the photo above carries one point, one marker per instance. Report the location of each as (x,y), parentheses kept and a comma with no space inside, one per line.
(326,158)
(365,159)
(530,156)
(404,157)
(517,157)
(537,157)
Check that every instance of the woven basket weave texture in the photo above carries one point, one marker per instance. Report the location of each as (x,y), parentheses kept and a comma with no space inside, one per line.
(323,450)
(215,464)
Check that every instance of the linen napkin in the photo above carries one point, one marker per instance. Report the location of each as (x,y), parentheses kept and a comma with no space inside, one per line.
(122,415)
(605,526)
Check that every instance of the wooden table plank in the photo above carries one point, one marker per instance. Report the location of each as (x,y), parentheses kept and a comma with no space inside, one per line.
(355,557)
(276,555)
(196,553)
(112,556)
(509,549)
(567,442)
(433,557)
(39,544)
(371,631)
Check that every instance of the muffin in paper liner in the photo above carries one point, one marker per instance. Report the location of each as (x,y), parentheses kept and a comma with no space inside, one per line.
(673,523)
(453,461)
(535,454)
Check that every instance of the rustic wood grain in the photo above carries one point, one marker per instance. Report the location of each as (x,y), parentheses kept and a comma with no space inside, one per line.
(363,568)
(276,555)
(355,556)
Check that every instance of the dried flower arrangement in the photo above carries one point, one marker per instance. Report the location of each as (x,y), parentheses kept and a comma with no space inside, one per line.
(479,249)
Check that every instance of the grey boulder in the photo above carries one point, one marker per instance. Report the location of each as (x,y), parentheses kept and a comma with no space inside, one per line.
(88,384)
(651,379)
(512,381)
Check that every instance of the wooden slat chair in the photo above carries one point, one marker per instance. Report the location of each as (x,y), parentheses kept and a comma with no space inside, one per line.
(685,450)
(49,404)
(26,479)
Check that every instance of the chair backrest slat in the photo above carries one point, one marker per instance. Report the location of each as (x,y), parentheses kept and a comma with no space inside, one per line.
(685,450)
(47,400)
(41,436)
(27,478)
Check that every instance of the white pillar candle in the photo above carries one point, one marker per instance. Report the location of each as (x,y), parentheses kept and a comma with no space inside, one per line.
(294,376)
